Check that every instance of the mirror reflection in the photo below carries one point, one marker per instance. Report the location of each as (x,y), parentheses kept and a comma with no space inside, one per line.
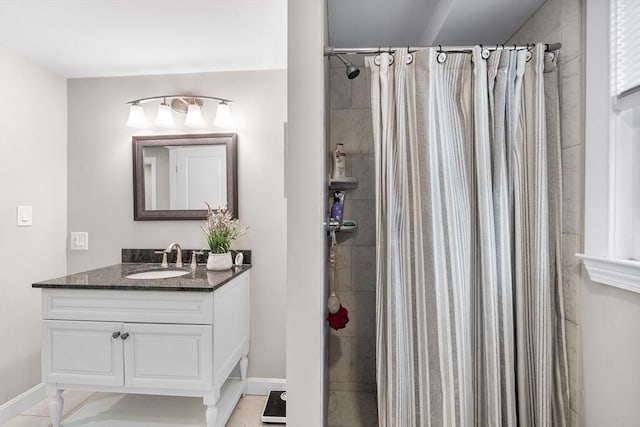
(184,177)
(175,177)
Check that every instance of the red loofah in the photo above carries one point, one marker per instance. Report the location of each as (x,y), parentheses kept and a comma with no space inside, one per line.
(339,319)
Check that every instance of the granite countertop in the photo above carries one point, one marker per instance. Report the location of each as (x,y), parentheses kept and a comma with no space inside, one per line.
(113,277)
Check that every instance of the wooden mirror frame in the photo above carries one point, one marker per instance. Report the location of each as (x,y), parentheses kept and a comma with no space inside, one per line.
(139,142)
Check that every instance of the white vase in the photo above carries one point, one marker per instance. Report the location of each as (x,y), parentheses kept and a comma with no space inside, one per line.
(218,262)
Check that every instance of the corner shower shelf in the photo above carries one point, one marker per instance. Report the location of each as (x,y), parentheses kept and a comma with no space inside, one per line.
(347,183)
(348,226)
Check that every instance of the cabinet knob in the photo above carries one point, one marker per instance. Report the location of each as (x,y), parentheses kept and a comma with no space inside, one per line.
(125,335)
(115,335)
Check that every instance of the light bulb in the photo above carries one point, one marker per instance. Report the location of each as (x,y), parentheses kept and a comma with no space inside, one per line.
(194,117)
(137,118)
(164,118)
(223,116)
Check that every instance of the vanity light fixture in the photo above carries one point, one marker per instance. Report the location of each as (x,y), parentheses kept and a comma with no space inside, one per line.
(164,118)
(194,116)
(137,118)
(185,104)
(223,116)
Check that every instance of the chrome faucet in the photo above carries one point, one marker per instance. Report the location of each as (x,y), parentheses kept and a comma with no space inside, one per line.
(178,253)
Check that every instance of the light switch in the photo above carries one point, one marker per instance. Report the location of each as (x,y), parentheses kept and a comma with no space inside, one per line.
(25,216)
(79,241)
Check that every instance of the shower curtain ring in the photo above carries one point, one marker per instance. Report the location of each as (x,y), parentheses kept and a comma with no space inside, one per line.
(441,56)
(409,56)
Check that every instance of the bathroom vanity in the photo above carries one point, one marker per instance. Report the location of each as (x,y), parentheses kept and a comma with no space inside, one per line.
(181,336)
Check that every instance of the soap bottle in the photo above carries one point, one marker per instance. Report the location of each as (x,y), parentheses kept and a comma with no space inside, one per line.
(337,208)
(339,160)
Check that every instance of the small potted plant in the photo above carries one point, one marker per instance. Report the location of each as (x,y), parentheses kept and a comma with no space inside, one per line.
(221,230)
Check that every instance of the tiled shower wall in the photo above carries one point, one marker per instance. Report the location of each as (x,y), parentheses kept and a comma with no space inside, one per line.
(561,21)
(352,352)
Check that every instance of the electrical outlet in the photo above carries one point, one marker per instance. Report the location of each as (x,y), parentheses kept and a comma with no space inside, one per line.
(79,241)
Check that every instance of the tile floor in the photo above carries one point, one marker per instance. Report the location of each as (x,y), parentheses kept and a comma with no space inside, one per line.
(120,410)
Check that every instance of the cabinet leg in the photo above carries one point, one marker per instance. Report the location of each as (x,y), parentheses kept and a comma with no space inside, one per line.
(244,364)
(212,415)
(56,403)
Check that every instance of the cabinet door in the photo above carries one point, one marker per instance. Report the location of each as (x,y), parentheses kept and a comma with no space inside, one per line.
(169,357)
(82,353)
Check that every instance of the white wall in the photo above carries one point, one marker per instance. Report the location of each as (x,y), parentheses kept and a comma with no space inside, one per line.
(306,189)
(611,316)
(611,319)
(100,185)
(33,141)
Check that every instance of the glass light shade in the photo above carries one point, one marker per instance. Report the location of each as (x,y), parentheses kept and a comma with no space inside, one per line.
(194,117)
(137,118)
(223,116)
(164,119)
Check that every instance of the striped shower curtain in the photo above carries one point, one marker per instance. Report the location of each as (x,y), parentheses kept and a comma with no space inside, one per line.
(468,217)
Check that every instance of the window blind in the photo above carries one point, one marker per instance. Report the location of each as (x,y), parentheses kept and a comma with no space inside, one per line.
(627,46)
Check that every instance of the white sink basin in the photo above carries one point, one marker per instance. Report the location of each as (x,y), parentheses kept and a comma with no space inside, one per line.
(157,274)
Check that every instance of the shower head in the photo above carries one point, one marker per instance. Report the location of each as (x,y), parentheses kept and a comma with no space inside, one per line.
(351,70)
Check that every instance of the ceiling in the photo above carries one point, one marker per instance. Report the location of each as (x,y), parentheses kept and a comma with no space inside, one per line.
(371,23)
(92,38)
(95,38)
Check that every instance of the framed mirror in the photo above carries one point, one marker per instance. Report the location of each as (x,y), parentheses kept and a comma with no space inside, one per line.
(174,176)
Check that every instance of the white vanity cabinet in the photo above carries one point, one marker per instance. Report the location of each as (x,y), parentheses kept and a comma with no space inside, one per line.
(180,343)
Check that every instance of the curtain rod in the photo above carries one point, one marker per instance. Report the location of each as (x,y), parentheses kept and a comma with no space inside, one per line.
(329,51)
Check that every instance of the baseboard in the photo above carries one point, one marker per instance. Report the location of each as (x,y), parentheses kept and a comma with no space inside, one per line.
(21,403)
(262,386)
